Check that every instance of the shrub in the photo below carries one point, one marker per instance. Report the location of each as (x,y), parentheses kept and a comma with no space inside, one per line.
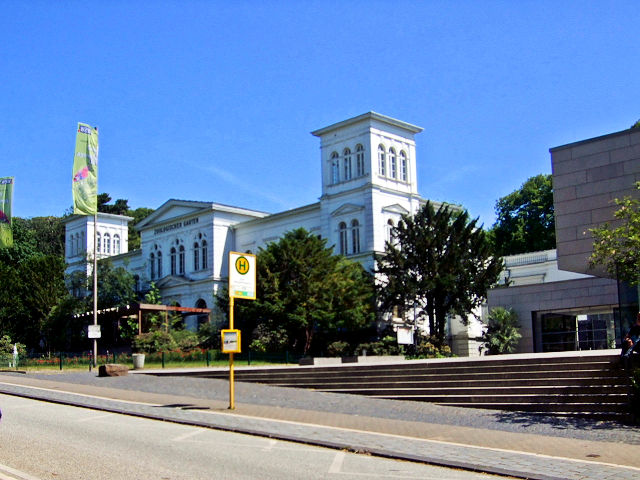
(185,339)
(154,341)
(338,349)
(502,333)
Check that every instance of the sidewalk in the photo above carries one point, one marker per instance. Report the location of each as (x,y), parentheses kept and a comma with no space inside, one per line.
(508,443)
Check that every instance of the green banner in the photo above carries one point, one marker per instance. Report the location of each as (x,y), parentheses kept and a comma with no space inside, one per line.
(6,194)
(85,171)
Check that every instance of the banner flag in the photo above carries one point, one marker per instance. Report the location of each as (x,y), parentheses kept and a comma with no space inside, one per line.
(6,194)
(85,171)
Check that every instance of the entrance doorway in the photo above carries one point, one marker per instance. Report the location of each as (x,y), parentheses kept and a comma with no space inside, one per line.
(568,330)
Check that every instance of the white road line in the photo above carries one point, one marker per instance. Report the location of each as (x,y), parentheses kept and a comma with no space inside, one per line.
(424,440)
(188,435)
(270,446)
(97,417)
(336,465)
(17,474)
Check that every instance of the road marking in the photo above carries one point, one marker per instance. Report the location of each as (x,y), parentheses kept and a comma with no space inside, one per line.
(314,425)
(17,474)
(97,417)
(184,436)
(272,443)
(336,465)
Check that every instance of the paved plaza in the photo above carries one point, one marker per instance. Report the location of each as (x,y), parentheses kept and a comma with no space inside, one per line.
(499,442)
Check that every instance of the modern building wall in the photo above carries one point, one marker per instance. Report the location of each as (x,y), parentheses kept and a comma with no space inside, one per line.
(587,177)
(578,296)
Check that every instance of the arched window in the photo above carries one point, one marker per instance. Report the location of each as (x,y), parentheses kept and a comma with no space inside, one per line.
(359,160)
(204,255)
(159,264)
(355,236)
(347,164)
(99,243)
(342,228)
(389,230)
(181,260)
(393,166)
(116,244)
(335,168)
(196,256)
(382,161)
(403,166)
(172,256)
(107,243)
(152,264)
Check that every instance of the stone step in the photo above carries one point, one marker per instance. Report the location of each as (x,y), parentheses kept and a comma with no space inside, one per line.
(611,410)
(582,376)
(552,391)
(440,370)
(548,384)
(596,402)
(590,384)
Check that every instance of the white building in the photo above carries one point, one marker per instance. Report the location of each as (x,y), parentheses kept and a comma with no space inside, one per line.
(369,180)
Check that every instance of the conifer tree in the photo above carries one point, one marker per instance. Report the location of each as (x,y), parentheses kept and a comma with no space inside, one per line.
(438,263)
(304,290)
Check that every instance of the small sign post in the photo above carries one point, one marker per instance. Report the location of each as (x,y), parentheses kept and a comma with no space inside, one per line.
(93,331)
(242,284)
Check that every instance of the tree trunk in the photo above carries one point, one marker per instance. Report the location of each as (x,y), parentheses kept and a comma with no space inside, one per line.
(309,337)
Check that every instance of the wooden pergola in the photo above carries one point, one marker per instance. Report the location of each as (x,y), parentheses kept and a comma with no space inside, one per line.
(138,309)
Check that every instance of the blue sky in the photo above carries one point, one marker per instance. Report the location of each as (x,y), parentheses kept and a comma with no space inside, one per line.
(214,101)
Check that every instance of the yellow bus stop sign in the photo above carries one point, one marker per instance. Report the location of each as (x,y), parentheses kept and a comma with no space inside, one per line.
(242,275)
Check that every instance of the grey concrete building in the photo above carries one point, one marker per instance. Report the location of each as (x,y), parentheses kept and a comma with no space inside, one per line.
(584,313)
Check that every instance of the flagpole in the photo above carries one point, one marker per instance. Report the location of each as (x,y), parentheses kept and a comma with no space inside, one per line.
(95,274)
(95,285)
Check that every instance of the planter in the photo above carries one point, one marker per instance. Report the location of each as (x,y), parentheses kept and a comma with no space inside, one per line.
(138,361)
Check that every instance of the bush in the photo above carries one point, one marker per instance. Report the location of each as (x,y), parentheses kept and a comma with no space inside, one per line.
(185,339)
(429,349)
(154,341)
(387,345)
(209,335)
(338,349)
(502,333)
(6,347)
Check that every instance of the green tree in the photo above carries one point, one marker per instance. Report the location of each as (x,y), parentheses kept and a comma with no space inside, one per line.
(28,295)
(439,263)
(618,249)
(525,219)
(306,291)
(502,334)
(120,207)
(116,286)
(138,215)
(47,233)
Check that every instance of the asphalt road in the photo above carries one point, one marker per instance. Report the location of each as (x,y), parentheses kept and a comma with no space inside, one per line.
(40,440)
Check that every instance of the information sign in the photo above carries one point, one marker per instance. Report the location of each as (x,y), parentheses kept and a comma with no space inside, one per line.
(242,275)
(94,331)
(405,336)
(230,341)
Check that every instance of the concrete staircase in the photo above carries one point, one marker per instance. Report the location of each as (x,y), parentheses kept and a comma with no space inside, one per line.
(571,383)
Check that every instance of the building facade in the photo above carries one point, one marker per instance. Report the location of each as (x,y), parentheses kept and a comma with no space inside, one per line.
(369,180)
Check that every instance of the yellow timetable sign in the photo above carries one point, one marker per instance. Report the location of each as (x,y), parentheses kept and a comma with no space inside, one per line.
(230,341)
(242,275)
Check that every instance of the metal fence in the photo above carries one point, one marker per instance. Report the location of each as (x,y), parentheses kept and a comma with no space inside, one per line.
(193,358)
